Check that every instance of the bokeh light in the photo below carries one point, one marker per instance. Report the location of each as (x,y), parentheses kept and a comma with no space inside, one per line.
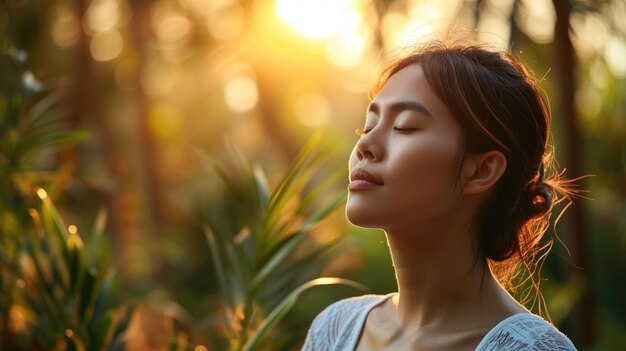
(537,19)
(312,110)
(615,56)
(66,29)
(106,46)
(103,16)
(171,27)
(241,93)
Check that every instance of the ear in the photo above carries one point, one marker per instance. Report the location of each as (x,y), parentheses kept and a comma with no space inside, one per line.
(482,171)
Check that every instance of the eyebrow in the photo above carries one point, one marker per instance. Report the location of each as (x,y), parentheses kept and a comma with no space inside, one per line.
(401,105)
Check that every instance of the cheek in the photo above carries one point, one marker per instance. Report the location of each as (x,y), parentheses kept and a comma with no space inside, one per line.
(424,178)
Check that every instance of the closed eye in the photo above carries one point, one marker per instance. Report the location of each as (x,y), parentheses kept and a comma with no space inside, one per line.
(405,130)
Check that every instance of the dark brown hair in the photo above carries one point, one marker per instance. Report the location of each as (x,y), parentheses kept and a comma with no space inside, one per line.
(499,106)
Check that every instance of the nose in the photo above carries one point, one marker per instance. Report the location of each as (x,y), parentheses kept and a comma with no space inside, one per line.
(368,148)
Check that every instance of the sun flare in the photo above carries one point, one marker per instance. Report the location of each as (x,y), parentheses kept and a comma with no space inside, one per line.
(319,19)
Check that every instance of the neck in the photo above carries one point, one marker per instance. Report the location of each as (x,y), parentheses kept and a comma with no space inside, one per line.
(439,279)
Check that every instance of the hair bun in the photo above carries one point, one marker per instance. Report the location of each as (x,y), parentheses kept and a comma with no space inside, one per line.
(537,198)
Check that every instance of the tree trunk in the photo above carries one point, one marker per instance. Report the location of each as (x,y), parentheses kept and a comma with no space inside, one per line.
(565,65)
(151,171)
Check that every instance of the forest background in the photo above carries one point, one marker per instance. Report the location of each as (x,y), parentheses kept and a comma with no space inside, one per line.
(174,129)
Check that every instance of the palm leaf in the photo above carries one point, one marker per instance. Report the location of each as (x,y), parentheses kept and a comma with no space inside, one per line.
(279,312)
(289,244)
(285,248)
(100,330)
(271,248)
(220,266)
(43,105)
(295,167)
(318,190)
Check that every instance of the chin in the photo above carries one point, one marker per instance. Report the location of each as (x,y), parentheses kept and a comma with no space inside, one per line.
(362,217)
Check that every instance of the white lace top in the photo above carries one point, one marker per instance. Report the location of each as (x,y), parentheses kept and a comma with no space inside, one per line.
(339,326)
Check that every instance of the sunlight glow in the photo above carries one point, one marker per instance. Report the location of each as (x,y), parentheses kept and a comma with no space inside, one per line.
(226,22)
(614,54)
(319,19)
(413,32)
(241,93)
(536,18)
(347,50)
(419,22)
(590,33)
(493,26)
(312,110)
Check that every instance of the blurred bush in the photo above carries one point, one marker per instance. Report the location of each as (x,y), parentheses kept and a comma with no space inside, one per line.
(58,287)
(262,249)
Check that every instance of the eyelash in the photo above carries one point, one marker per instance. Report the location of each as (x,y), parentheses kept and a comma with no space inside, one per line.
(405,130)
(362,132)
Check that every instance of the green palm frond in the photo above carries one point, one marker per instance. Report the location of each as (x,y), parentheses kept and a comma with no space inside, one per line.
(69,285)
(63,287)
(262,251)
(288,302)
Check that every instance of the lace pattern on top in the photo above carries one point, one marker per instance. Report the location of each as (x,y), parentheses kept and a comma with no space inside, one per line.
(525,332)
(338,328)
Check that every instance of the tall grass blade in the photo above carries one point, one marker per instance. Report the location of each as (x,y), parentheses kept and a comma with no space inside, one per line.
(74,265)
(100,331)
(87,291)
(118,338)
(220,268)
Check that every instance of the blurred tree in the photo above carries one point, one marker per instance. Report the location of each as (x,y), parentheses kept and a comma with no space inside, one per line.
(564,59)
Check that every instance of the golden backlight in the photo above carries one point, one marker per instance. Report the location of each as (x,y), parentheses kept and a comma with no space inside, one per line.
(319,19)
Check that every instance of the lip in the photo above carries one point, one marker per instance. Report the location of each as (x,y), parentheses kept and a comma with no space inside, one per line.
(360,179)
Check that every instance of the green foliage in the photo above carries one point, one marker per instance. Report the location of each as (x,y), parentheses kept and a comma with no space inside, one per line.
(68,287)
(58,291)
(262,252)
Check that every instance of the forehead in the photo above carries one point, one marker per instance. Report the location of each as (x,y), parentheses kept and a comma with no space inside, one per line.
(410,84)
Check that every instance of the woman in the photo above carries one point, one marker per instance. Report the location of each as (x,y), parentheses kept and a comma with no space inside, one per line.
(450,165)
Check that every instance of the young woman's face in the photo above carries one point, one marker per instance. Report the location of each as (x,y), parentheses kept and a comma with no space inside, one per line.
(403,168)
